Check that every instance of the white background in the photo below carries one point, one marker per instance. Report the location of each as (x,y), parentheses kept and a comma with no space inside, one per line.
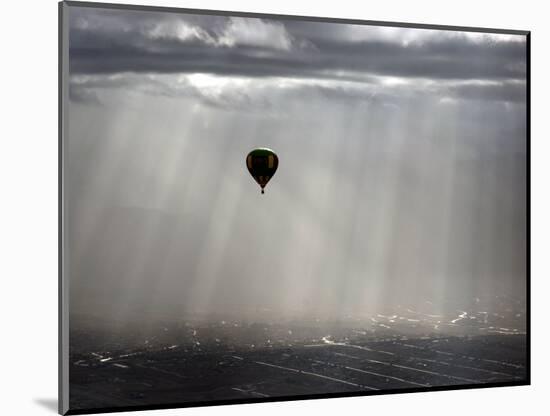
(28,208)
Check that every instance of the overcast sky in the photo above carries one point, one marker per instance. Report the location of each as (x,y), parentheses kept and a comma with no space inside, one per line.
(402,165)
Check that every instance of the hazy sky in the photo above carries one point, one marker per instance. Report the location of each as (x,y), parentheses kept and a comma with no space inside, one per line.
(402,165)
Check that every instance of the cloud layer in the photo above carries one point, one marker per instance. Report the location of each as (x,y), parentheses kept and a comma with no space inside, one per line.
(464,65)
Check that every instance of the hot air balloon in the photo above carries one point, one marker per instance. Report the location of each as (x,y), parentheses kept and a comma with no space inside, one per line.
(262,164)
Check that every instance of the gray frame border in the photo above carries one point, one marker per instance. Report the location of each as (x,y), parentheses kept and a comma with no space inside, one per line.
(63,248)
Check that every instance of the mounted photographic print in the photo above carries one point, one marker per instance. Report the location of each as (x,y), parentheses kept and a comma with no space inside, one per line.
(263,207)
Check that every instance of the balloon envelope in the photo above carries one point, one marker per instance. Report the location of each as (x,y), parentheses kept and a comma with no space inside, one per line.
(262,164)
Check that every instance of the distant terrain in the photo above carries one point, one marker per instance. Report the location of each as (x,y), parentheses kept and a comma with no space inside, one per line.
(197,360)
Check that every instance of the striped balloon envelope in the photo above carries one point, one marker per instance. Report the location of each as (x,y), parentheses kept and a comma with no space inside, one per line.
(262,164)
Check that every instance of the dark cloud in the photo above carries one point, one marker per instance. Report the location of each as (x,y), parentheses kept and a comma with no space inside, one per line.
(130,41)
(507,91)
(83,94)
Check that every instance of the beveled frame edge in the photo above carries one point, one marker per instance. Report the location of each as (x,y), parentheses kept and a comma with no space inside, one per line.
(63,281)
(182,10)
